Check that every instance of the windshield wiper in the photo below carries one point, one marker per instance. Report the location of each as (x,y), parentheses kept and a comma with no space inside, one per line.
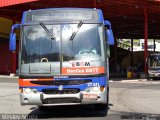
(47,31)
(78,27)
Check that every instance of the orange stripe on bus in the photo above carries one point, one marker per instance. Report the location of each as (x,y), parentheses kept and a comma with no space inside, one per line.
(26,82)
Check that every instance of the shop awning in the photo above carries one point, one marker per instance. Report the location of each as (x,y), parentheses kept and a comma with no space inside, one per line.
(13,2)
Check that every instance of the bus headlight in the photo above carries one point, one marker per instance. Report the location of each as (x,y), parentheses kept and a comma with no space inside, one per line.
(92,89)
(29,90)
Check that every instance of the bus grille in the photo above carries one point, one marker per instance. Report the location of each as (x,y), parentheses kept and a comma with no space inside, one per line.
(60,100)
(61,82)
(64,91)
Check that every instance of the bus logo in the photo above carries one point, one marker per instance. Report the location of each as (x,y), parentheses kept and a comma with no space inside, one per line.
(60,88)
(80,64)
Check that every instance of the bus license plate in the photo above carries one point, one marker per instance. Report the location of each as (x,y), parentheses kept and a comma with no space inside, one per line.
(156,75)
(90,96)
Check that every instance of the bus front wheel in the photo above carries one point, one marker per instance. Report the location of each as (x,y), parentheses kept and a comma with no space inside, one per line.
(42,108)
(103,106)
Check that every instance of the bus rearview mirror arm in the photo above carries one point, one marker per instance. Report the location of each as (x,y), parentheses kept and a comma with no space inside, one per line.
(109,32)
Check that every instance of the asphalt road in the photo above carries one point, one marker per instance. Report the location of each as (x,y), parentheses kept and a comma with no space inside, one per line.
(128,100)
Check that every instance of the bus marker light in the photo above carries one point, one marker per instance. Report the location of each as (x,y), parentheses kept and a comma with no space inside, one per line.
(102,88)
(20,90)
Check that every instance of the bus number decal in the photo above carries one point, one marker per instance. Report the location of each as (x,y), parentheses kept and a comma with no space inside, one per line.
(93,84)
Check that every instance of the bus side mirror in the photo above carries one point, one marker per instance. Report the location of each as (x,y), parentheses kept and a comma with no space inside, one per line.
(109,32)
(110,37)
(12,41)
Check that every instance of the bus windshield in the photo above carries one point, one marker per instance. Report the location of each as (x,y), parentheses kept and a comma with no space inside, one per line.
(154,61)
(38,47)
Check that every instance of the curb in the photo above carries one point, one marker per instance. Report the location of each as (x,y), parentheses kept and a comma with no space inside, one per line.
(135,81)
(128,80)
(5,76)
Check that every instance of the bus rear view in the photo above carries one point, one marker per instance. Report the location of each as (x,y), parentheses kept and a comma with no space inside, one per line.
(63,57)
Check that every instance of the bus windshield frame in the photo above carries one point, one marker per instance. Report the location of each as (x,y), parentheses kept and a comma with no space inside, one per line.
(36,45)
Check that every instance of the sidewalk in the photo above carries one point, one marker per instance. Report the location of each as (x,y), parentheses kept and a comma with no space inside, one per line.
(8,76)
(129,80)
(125,80)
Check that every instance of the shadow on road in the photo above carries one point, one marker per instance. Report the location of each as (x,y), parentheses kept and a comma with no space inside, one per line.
(68,112)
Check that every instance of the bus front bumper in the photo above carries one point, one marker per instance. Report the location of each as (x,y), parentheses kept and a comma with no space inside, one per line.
(153,75)
(82,97)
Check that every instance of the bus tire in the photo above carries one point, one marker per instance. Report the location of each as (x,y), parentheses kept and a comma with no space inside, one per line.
(149,78)
(103,106)
(42,108)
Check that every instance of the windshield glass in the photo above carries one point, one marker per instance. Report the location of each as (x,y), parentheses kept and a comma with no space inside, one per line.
(154,61)
(38,49)
(86,41)
(37,44)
